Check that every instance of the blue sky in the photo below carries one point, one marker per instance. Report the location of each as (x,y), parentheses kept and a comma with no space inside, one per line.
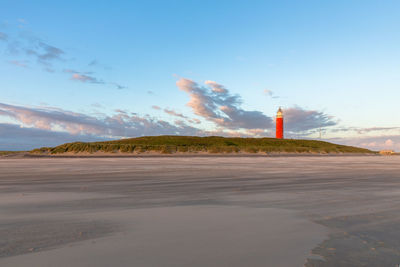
(332,65)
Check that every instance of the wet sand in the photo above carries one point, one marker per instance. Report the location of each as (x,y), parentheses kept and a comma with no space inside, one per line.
(208,211)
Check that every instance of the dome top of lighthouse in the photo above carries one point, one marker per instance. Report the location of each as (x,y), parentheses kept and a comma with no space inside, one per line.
(279,114)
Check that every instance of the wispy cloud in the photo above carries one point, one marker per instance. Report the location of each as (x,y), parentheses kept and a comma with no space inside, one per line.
(3,36)
(212,102)
(46,126)
(375,142)
(194,120)
(18,63)
(217,88)
(364,130)
(298,119)
(34,47)
(84,77)
(16,137)
(215,103)
(97,64)
(94,62)
(31,46)
(180,115)
(97,105)
(87,77)
(219,106)
(270,93)
(174,113)
(43,52)
(119,86)
(121,124)
(39,126)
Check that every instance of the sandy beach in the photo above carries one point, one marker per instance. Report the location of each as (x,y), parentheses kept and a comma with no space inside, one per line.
(200,211)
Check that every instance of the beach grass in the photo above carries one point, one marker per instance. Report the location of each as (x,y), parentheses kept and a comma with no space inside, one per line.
(170,144)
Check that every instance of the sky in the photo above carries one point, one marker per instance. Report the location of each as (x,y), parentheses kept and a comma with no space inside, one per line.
(101,70)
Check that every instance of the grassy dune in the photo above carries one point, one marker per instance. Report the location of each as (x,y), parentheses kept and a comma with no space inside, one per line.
(193,144)
(7,153)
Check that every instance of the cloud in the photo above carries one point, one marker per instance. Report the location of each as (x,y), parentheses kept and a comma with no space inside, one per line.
(3,36)
(16,137)
(196,121)
(179,115)
(212,102)
(364,130)
(97,105)
(217,88)
(389,143)
(118,125)
(174,113)
(63,126)
(298,119)
(257,132)
(48,69)
(121,111)
(50,52)
(18,63)
(85,78)
(375,143)
(44,53)
(118,86)
(96,63)
(222,108)
(270,93)
(33,46)
(49,126)
(93,63)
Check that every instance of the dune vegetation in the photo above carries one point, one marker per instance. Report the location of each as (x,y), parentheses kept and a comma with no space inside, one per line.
(7,153)
(193,144)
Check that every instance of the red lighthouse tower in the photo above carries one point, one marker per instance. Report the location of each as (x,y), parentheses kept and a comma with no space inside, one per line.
(279,124)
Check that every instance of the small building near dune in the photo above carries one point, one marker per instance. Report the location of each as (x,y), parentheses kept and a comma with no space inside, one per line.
(387,152)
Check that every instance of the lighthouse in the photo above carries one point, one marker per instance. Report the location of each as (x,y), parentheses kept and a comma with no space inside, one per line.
(279,124)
